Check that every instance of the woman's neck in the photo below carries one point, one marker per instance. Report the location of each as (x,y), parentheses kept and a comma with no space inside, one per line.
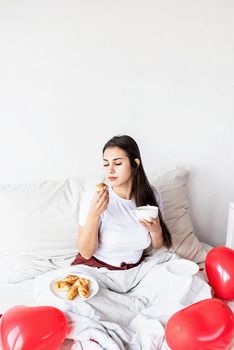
(123,191)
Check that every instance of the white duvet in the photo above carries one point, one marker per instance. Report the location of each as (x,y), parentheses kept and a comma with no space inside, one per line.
(131,308)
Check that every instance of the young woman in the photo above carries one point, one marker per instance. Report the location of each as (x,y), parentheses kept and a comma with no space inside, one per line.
(109,236)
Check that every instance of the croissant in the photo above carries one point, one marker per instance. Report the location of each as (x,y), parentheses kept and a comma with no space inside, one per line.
(84,281)
(83,291)
(62,285)
(74,285)
(73,291)
(71,279)
(100,186)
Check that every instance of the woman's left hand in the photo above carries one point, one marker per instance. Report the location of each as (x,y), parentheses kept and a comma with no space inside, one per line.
(155,231)
(151,226)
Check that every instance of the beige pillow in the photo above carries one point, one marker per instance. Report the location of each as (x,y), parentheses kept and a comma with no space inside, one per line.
(171,183)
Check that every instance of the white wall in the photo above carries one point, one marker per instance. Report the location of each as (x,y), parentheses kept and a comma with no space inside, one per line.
(74,73)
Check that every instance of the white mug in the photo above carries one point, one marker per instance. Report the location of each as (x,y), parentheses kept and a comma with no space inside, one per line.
(147,212)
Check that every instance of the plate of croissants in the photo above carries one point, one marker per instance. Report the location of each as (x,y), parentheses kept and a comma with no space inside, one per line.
(74,287)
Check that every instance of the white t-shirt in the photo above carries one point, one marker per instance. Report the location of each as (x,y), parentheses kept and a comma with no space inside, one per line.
(121,237)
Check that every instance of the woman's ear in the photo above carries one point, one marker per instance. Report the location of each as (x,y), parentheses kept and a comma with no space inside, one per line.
(137,161)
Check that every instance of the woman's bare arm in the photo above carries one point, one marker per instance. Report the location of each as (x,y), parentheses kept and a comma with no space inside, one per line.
(87,241)
(155,231)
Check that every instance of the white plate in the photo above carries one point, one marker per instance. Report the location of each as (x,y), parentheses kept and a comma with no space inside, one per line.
(93,287)
(182,267)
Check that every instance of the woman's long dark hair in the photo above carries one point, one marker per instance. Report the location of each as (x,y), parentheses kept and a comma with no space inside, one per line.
(142,192)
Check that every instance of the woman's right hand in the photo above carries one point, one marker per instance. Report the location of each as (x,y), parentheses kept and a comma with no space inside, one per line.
(99,202)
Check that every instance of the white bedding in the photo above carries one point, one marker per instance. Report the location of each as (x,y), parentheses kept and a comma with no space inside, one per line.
(16,294)
(131,307)
(22,294)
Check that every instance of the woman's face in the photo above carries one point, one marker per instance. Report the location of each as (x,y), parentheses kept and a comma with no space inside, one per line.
(117,167)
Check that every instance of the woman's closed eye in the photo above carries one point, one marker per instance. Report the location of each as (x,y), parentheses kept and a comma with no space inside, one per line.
(114,163)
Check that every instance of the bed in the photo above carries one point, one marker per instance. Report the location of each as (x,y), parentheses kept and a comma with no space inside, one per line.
(39,227)
(23,293)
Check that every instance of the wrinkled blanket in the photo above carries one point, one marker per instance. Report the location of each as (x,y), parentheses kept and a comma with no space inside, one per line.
(131,308)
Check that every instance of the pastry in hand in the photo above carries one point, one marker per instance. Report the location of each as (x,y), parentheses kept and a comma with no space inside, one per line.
(100,186)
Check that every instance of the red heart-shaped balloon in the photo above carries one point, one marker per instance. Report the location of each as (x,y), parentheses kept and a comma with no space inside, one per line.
(33,328)
(220,271)
(205,325)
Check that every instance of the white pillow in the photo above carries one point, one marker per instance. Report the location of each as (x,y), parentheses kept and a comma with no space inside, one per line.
(38,227)
(171,184)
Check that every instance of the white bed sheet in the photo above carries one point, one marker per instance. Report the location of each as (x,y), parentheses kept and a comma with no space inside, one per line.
(16,294)
(21,293)
(12,294)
